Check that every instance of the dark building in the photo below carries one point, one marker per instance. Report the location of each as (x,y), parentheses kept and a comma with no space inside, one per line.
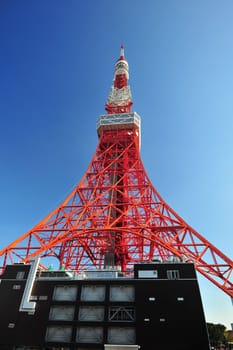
(158,308)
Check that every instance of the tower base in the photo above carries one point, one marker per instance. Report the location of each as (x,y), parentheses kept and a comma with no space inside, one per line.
(159,306)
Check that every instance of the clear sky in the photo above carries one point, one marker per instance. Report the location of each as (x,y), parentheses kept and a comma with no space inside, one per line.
(56,68)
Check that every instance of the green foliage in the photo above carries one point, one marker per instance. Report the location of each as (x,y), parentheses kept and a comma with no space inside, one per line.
(216,334)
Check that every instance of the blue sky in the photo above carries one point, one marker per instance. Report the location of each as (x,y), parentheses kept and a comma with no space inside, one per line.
(56,68)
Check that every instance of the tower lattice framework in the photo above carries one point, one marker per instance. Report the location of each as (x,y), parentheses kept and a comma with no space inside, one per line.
(114,216)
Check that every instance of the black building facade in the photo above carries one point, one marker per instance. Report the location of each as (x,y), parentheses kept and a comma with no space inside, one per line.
(158,308)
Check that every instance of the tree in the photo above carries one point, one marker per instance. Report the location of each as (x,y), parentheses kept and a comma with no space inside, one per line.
(216,334)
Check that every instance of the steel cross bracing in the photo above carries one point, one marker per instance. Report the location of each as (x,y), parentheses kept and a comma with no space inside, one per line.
(114,216)
(116,209)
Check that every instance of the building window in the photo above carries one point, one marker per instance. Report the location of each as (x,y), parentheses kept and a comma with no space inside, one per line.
(173,274)
(48,348)
(62,312)
(59,334)
(65,293)
(121,293)
(25,347)
(11,325)
(147,274)
(91,313)
(16,286)
(121,313)
(180,298)
(20,275)
(79,348)
(93,293)
(121,335)
(89,335)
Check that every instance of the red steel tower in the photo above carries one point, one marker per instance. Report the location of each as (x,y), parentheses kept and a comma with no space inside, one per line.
(114,216)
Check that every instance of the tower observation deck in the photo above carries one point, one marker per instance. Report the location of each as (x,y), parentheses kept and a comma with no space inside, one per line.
(114,216)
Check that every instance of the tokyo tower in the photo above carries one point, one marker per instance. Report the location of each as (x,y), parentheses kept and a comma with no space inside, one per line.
(114,216)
